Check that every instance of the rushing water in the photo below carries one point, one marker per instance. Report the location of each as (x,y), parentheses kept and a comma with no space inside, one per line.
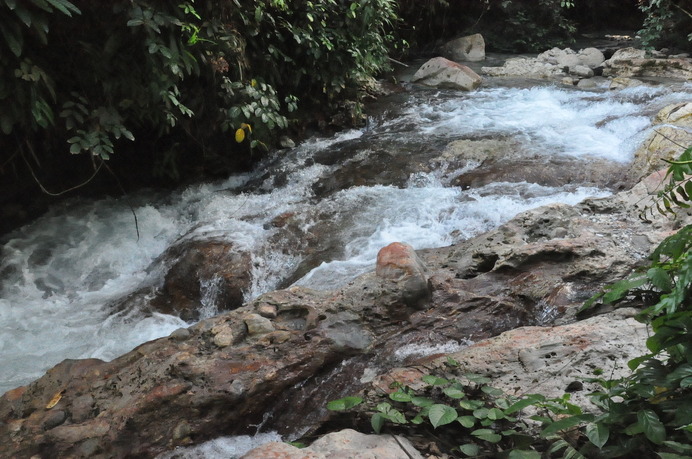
(61,274)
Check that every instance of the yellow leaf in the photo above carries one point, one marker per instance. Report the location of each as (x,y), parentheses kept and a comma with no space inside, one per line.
(239,135)
(246,126)
(54,401)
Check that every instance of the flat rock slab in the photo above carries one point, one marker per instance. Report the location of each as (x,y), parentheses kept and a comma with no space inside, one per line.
(345,444)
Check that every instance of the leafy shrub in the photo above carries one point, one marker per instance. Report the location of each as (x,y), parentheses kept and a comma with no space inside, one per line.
(161,77)
(666,23)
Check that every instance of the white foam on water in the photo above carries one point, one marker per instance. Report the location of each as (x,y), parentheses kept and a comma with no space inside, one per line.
(223,447)
(425,217)
(556,121)
(424,350)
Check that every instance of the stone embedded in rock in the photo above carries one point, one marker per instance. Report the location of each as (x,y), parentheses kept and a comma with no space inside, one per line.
(521,66)
(470,48)
(398,263)
(258,325)
(439,72)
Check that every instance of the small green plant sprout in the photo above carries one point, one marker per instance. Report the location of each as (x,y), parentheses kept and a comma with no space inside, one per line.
(677,193)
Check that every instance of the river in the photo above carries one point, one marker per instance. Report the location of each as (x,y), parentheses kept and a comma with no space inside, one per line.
(356,191)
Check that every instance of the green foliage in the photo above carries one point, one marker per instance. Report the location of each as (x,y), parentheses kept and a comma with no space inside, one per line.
(159,78)
(535,27)
(467,416)
(666,23)
(651,409)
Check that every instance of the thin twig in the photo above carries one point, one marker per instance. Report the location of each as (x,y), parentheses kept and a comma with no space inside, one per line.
(401,446)
(397,62)
(38,182)
(127,200)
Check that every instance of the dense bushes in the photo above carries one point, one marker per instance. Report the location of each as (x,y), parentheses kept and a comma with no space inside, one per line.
(536,28)
(666,23)
(173,86)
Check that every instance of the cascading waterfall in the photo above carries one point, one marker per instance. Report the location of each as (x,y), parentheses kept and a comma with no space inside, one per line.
(61,274)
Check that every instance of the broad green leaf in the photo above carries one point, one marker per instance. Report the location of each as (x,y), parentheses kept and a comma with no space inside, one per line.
(377,421)
(422,401)
(652,426)
(454,392)
(344,403)
(470,404)
(470,449)
(523,403)
(487,435)
(64,7)
(597,433)
(492,391)
(478,379)
(495,414)
(680,373)
(434,380)
(634,363)
(671,456)
(660,279)
(679,447)
(467,421)
(400,396)
(440,415)
(481,413)
(565,423)
(524,454)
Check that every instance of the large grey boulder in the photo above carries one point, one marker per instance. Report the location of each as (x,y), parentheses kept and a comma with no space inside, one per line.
(632,62)
(546,360)
(439,72)
(470,48)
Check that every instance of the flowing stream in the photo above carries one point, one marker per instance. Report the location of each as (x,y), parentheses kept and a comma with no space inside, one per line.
(355,192)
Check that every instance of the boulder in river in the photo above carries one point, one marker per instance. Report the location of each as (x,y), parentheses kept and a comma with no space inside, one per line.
(469,48)
(211,271)
(443,73)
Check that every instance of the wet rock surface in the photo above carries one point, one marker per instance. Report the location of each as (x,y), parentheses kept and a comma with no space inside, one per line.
(225,373)
(343,444)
